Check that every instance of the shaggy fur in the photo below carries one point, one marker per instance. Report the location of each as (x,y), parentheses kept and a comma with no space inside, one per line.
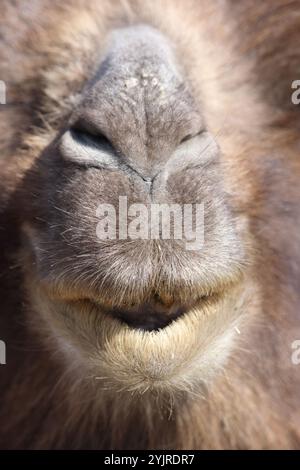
(221,375)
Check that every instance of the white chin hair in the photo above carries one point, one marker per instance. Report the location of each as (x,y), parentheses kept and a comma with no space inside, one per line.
(182,357)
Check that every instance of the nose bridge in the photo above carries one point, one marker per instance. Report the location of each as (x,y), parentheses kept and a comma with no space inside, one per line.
(139,99)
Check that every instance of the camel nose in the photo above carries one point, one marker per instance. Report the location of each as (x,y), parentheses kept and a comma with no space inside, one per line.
(137,111)
(151,315)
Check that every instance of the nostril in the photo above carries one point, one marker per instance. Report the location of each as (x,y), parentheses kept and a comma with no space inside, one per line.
(187,137)
(190,136)
(91,139)
(84,144)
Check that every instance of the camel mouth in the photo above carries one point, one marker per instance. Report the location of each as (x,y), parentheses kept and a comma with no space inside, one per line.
(148,317)
(108,321)
(149,323)
(179,357)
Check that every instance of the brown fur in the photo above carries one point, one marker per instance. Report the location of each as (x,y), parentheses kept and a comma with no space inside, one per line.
(239,60)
